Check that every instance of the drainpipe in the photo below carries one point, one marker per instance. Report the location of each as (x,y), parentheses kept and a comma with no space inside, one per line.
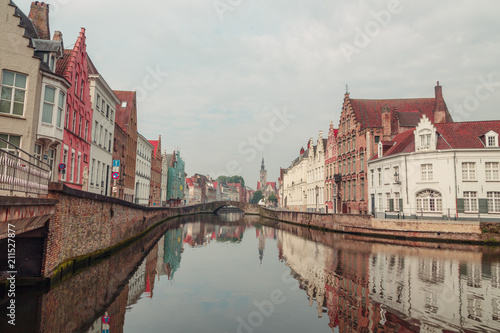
(456,189)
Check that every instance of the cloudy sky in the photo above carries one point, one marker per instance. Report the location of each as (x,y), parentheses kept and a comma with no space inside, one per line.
(231,81)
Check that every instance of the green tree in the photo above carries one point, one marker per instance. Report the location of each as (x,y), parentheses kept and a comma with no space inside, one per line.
(257,196)
(272,198)
(231,179)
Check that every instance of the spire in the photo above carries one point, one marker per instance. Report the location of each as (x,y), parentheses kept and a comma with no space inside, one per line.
(262,167)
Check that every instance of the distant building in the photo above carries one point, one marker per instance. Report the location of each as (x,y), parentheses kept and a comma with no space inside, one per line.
(156,168)
(194,192)
(119,154)
(331,170)
(176,179)
(164,178)
(315,188)
(126,118)
(438,171)
(263,185)
(295,182)
(143,171)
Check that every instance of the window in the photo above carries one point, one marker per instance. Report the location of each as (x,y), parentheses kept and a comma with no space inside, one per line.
(354,164)
(101,134)
(396,174)
(468,171)
(103,105)
(362,162)
(112,116)
(493,202)
(372,176)
(80,126)
(74,121)
(388,201)
(48,104)
(425,140)
(38,153)
(397,196)
(65,162)
(86,130)
(429,201)
(98,102)
(105,138)
(79,167)
(12,93)
(362,188)
(354,190)
(92,172)
(76,84)
(470,201)
(96,127)
(81,89)
(98,173)
(491,139)
(107,111)
(426,172)
(124,104)
(14,139)
(492,171)
(387,176)
(380,203)
(72,173)
(51,155)
(60,109)
(377,139)
(379,171)
(348,165)
(103,174)
(67,117)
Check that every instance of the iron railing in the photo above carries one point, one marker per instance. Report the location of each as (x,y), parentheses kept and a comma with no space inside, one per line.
(21,172)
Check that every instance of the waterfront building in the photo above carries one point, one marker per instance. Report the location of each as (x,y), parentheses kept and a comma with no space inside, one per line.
(241,191)
(438,171)
(194,192)
(331,170)
(164,178)
(104,103)
(295,182)
(143,171)
(126,118)
(315,188)
(32,105)
(176,179)
(119,154)
(363,124)
(263,185)
(75,154)
(156,168)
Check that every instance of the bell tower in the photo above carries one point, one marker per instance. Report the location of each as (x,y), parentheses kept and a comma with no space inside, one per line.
(263,175)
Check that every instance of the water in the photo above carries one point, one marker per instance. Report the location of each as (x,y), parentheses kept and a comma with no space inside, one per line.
(234,274)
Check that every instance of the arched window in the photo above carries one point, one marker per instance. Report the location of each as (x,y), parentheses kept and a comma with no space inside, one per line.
(429,201)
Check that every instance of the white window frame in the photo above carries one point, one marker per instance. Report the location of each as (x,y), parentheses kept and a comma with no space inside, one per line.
(429,201)
(37,153)
(72,173)
(471,204)
(92,172)
(14,88)
(426,172)
(61,101)
(469,171)
(49,104)
(65,162)
(493,201)
(492,170)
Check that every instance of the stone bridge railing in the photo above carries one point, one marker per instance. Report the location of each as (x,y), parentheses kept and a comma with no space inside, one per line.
(214,207)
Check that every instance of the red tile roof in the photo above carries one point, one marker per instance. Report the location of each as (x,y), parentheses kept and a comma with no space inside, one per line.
(123,114)
(62,63)
(368,111)
(462,135)
(408,119)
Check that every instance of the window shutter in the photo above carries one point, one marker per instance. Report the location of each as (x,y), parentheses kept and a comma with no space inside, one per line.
(483,206)
(460,205)
(401,205)
(391,205)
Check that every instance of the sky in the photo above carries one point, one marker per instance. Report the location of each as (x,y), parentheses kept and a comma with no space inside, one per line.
(229,82)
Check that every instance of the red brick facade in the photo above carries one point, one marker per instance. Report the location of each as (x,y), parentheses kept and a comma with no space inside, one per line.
(155,183)
(119,153)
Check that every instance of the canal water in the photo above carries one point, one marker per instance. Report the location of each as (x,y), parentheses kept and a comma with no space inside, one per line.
(235,273)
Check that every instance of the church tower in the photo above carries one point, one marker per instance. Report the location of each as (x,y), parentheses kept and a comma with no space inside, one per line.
(263,175)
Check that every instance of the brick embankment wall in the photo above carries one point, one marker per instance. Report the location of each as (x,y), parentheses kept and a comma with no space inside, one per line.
(455,231)
(85,223)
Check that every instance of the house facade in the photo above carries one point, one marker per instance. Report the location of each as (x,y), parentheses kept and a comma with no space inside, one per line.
(75,153)
(176,179)
(267,188)
(126,118)
(156,168)
(295,183)
(104,103)
(363,124)
(164,178)
(315,188)
(119,154)
(331,170)
(438,171)
(143,171)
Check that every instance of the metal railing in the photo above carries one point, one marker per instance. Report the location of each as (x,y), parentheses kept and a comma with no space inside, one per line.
(26,175)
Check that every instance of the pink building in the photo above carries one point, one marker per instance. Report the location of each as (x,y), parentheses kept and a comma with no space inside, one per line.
(77,128)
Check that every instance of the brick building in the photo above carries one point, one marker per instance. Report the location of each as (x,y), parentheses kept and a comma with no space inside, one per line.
(77,129)
(119,144)
(156,169)
(331,170)
(363,124)
(126,118)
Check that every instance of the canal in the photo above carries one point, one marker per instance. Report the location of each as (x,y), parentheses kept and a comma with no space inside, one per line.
(235,273)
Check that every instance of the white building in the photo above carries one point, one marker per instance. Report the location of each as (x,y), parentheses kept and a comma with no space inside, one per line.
(294,183)
(104,103)
(143,170)
(438,171)
(315,188)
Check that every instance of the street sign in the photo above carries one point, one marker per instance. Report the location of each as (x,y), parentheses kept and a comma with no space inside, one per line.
(116,169)
(116,163)
(62,166)
(115,175)
(114,189)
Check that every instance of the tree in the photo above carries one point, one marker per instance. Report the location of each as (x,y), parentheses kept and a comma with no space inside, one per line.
(272,198)
(231,179)
(257,196)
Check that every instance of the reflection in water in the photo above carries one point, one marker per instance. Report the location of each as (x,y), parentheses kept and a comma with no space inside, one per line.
(329,282)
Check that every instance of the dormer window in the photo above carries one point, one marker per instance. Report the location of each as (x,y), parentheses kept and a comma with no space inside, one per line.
(124,104)
(380,149)
(491,139)
(425,135)
(425,139)
(51,62)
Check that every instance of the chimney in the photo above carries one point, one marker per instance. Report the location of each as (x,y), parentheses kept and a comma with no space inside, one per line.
(439,106)
(39,15)
(386,123)
(57,36)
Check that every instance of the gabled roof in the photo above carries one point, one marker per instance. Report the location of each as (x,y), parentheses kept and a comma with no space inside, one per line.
(123,114)
(63,62)
(25,22)
(368,111)
(462,135)
(155,146)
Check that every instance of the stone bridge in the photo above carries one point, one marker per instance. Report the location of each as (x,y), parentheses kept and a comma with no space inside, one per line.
(214,207)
